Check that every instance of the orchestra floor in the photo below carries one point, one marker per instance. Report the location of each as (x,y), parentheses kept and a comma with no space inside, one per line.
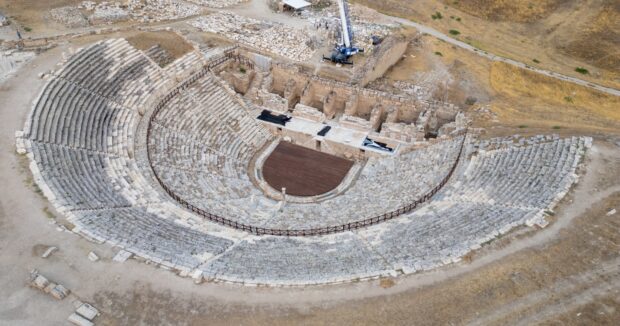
(303,171)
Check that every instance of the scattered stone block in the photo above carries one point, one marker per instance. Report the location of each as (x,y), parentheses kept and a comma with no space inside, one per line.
(77,303)
(197,276)
(611,212)
(49,287)
(49,252)
(40,282)
(87,311)
(93,257)
(76,319)
(60,292)
(122,256)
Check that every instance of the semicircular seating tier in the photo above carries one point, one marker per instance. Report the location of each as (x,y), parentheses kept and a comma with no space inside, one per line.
(86,142)
(201,148)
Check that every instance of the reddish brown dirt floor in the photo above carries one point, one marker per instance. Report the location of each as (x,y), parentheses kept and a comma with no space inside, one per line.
(303,171)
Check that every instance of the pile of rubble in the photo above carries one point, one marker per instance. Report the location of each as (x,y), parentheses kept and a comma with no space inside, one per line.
(84,312)
(159,10)
(58,291)
(140,10)
(217,3)
(276,38)
(327,21)
(419,92)
(108,14)
(69,16)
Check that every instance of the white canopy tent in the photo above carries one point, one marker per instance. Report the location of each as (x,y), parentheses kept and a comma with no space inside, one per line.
(297,4)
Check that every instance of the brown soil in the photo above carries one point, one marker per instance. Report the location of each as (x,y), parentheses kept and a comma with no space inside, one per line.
(174,44)
(302,171)
(597,40)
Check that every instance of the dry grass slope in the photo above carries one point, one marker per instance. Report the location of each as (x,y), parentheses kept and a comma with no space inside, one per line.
(548,101)
(560,34)
(521,11)
(597,41)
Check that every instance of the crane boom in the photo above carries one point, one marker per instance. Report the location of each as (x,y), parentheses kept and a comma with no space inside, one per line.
(346,25)
(343,51)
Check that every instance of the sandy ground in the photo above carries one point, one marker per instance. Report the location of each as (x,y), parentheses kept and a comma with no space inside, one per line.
(568,272)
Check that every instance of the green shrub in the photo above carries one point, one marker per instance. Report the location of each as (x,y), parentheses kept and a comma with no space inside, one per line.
(454,32)
(437,15)
(27,29)
(438,53)
(535,60)
(582,70)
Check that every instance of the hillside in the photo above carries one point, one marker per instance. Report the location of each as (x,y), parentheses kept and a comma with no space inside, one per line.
(557,35)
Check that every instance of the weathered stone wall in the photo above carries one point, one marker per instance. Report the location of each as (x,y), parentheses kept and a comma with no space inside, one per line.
(344,98)
(240,81)
(383,58)
(399,121)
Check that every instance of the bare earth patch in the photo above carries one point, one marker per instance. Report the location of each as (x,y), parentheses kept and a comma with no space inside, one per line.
(170,41)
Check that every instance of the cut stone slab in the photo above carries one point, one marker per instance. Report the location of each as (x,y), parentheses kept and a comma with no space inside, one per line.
(60,292)
(76,319)
(40,282)
(49,287)
(122,256)
(49,252)
(92,256)
(87,311)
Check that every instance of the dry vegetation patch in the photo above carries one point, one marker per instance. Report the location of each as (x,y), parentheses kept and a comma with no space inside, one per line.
(547,101)
(507,10)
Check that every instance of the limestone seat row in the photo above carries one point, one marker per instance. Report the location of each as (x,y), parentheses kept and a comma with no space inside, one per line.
(81,140)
